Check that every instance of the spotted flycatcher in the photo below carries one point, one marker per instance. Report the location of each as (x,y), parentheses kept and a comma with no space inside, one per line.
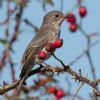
(48,32)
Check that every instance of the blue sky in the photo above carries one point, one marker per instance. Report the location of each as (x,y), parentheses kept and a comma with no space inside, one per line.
(74,43)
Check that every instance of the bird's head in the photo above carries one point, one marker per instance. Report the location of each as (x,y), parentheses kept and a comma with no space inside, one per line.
(53,17)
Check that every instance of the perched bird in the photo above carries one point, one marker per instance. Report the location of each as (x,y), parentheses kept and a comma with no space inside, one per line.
(48,32)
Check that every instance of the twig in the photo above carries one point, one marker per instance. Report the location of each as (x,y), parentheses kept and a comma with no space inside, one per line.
(30,24)
(59,60)
(7,88)
(83,53)
(61,5)
(77,91)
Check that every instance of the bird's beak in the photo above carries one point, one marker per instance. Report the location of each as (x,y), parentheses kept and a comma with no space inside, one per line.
(67,16)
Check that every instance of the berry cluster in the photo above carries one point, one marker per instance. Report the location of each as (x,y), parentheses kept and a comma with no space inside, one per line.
(72,19)
(58,93)
(50,47)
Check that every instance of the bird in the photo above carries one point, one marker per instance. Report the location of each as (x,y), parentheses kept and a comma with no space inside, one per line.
(48,32)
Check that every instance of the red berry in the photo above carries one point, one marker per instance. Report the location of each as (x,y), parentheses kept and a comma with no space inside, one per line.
(73,27)
(56,98)
(42,55)
(58,43)
(52,89)
(60,93)
(82,11)
(50,47)
(71,18)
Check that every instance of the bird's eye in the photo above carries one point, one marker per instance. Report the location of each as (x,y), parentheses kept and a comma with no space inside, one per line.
(57,15)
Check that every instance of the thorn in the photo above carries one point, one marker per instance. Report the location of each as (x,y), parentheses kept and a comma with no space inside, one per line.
(80,72)
(4,83)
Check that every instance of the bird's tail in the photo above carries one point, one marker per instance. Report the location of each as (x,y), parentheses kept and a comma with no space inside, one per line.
(21,83)
(23,76)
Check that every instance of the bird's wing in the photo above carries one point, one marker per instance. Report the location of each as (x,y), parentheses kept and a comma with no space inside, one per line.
(36,44)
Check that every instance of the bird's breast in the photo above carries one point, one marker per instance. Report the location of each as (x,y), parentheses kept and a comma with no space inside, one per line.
(53,35)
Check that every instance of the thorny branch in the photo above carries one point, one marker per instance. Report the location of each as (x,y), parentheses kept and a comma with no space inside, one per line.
(50,68)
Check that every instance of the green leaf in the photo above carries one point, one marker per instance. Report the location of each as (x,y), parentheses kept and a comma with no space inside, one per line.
(4,41)
(50,2)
